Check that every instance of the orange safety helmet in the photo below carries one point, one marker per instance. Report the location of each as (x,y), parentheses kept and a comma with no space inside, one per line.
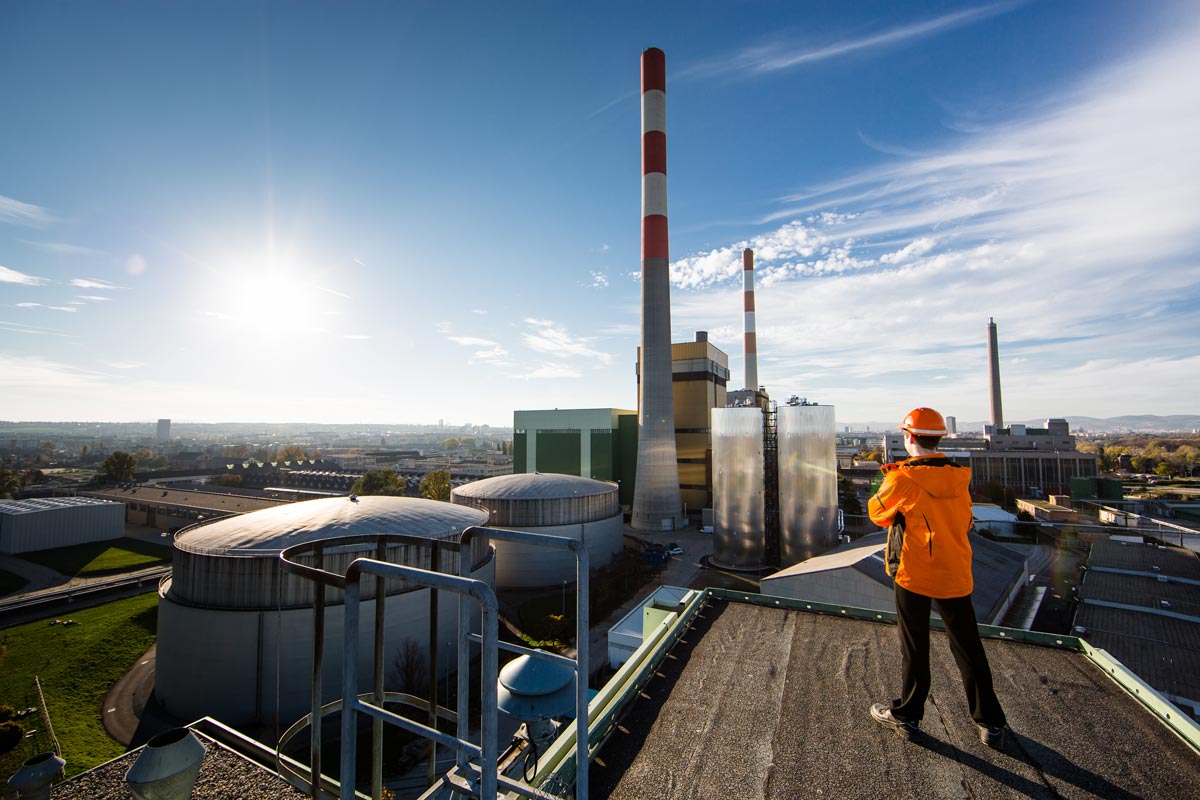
(924,422)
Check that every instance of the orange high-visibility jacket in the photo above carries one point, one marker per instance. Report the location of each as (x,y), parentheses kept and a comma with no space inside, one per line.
(932,494)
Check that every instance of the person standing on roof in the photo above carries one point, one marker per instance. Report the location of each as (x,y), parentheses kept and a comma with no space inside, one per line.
(925,502)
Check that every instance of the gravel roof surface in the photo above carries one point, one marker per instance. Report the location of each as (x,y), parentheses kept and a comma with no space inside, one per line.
(223,776)
(759,702)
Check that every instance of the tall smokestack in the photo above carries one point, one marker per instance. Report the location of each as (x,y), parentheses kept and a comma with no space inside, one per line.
(994,365)
(657,504)
(751,343)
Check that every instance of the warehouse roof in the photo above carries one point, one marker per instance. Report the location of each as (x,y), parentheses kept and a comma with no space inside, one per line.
(36,504)
(183,498)
(269,531)
(534,486)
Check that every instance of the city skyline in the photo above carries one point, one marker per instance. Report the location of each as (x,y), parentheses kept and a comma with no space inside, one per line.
(363,213)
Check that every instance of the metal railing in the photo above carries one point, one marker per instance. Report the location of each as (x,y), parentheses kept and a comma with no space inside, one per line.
(476,769)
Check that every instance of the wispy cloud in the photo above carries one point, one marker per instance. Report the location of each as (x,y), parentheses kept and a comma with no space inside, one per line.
(33,330)
(333,292)
(20,213)
(779,55)
(93,283)
(66,248)
(33,371)
(1071,219)
(599,280)
(554,340)
(94,298)
(12,276)
(480,311)
(68,309)
(487,351)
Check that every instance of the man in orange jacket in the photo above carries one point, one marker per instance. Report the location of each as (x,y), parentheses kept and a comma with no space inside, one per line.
(929,496)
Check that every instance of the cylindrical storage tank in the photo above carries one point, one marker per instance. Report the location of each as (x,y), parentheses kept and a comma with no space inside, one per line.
(807,482)
(559,505)
(235,633)
(739,489)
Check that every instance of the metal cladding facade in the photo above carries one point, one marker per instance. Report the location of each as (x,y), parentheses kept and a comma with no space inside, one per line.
(751,342)
(739,489)
(994,365)
(807,482)
(657,504)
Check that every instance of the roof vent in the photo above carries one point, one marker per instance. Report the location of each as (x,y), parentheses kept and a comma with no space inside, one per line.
(168,766)
(32,780)
(1079,630)
(535,691)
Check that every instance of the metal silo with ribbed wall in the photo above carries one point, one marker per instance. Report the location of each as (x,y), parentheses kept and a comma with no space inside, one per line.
(235,633)
(579,508)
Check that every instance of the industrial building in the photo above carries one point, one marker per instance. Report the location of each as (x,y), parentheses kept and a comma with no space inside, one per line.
(235,634)
(163,433)
(597,443)
(559,505)
(44,523)
(160,507)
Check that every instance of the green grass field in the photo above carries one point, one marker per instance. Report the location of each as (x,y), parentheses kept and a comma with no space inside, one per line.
(10,583)
(102,558)
(76,665)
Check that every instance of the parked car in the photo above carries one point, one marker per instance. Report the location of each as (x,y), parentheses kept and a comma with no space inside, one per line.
(674,549)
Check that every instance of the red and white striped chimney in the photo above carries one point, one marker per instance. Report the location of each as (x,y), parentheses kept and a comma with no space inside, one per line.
(751,343)
(657,502)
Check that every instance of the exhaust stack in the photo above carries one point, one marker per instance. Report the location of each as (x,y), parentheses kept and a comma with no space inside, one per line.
(657,503)
(994,367)
(751,339)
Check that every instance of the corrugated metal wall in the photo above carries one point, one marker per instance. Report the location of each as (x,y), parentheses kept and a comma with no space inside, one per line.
(61,527)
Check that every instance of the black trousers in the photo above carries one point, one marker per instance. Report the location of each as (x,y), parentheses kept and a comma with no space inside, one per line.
(912,623)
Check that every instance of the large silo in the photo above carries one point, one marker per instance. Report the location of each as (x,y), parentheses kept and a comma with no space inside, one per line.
(739,489)
(559,505)
(235,632)
(807,482)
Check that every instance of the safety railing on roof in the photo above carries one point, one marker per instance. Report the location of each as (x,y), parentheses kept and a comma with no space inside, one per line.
(476,770)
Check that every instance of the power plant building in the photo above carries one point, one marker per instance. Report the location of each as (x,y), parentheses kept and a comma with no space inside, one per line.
(574,507)
(699,380)
(597,443)
(235,633)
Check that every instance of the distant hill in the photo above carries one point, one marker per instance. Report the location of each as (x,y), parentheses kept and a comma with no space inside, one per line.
(1137,423)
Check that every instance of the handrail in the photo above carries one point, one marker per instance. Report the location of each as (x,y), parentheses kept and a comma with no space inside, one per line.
(582,631)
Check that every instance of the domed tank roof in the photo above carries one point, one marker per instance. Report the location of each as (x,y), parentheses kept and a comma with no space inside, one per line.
(271,530)
(534,486)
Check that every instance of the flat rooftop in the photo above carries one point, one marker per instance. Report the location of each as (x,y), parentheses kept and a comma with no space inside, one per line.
(762,702)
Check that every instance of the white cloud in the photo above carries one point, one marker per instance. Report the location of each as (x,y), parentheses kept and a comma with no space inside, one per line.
(775,56)
(33,371)
(68,309)
(94,298)
(93,283)
(12,276)
(917,247)
(489,352)
(20,213)
(599,280)
(554,340)
(66,248)
(480,311)
(1074,228)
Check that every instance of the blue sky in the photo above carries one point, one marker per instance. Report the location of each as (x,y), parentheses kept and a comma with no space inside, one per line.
(386,212)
